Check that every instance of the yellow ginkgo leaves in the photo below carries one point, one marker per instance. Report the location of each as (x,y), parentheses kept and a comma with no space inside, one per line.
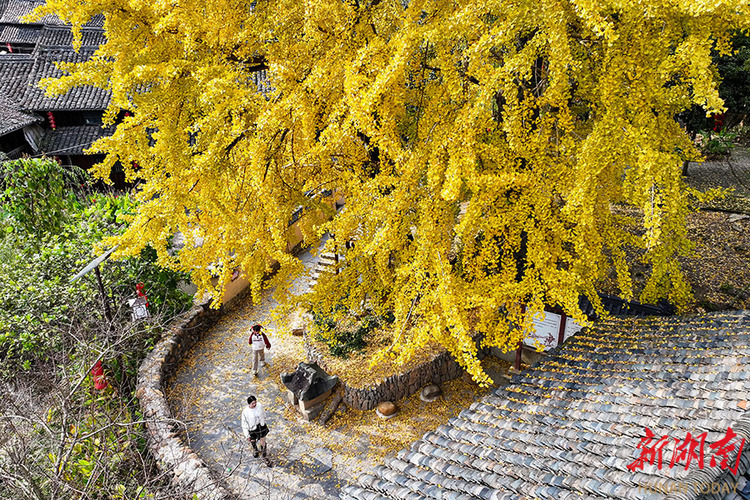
(479,146)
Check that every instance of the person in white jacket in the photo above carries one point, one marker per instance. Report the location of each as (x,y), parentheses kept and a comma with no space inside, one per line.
(254,426)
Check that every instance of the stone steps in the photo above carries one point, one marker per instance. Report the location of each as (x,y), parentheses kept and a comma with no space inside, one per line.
(326,264)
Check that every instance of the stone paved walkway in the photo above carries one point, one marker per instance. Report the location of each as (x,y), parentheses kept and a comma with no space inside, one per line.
(208,393)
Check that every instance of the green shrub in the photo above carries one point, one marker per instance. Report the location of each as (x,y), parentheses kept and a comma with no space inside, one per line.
(49,226)
(342,341)
(717,144)
(39,303)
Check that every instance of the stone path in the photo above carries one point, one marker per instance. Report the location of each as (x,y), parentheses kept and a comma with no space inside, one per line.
(732,173)
(208,393)
(209,390)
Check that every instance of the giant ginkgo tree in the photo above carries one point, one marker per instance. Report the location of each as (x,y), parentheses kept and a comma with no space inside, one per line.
(479,146)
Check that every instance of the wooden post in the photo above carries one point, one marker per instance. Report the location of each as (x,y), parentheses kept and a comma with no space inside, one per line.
(105,302)
(520,345)
(518,356)
(561,331)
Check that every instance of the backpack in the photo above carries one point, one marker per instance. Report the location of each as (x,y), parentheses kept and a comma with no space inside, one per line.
(265,339)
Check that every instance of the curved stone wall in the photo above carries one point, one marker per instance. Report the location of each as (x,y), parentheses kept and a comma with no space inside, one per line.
(165,437)
(441,368)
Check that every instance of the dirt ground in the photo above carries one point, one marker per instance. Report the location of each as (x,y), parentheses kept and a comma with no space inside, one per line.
(718,271)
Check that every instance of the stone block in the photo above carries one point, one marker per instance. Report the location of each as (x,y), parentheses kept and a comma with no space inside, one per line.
(304,405)
(290,398)
(386,409)
(312,412)
(430,393)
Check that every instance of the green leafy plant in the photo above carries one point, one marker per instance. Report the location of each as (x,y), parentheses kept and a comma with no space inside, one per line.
(717,143)
(34,198)
(349,334)
(39,302)
(91,440)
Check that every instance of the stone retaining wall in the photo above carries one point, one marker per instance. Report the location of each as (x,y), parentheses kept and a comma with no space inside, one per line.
(441,368)
(165,436)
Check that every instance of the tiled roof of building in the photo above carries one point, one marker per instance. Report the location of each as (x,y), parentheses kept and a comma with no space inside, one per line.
(616,306)
(11,119)
(63,37)
(15,69)
(16,33)
(22,72)
(96,22)
(569,426)
(77,99)
(15,10)
(72,140)
(12,11)
(262,81)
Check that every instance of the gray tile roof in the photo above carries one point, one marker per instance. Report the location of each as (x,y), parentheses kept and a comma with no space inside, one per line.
(18,33)
(21,72)
(72,140)
(11,118)
(15,9)
(12,11)
(262,81)
(62,37)
(15,70)
(96,22)
(569,426)
(77,99)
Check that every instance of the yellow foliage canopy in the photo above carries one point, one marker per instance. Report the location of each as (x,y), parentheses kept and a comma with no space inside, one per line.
(479,145)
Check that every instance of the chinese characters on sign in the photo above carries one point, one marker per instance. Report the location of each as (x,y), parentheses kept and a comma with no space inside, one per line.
(689,451)
(547,330)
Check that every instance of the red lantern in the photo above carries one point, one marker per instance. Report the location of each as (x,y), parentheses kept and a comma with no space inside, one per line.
(97,373)
(51,119)
(140,293)
(718,122)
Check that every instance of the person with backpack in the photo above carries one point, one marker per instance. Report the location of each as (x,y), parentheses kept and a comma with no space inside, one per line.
(254,427)
(259,342)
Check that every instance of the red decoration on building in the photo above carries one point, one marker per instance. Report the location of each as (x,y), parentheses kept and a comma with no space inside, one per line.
(140,293)
(10,48)
(97,373)
(51,119)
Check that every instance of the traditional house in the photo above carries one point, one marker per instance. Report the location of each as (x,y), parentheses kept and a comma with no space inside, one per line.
(74,119)
(64,126)
(14,125)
